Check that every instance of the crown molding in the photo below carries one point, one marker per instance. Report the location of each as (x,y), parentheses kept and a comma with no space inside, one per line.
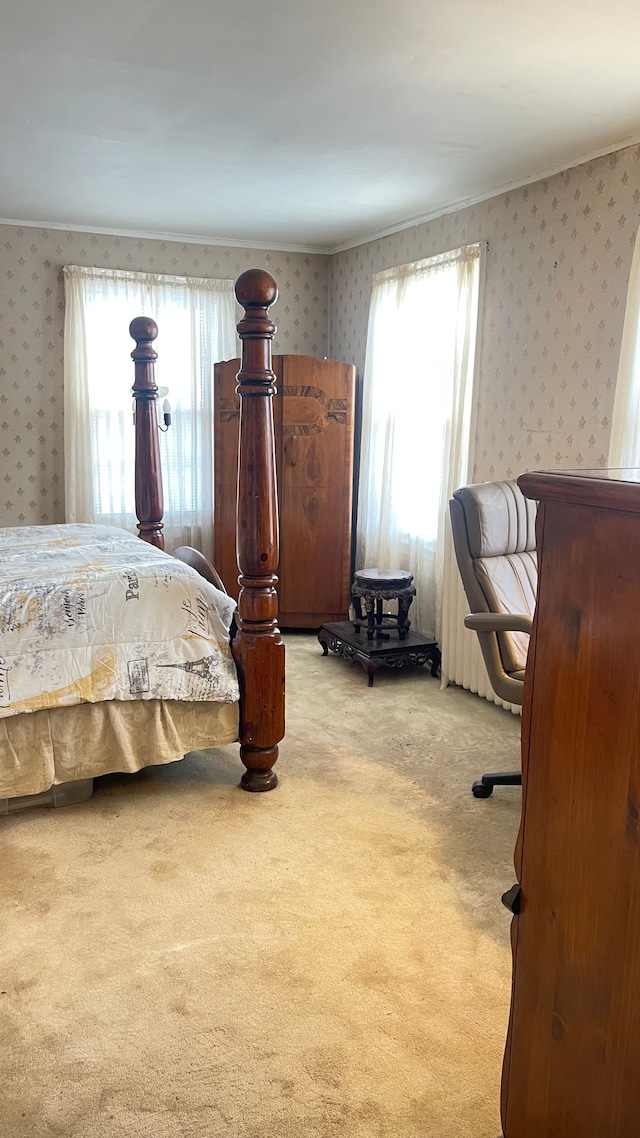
(178,238)
(493,192)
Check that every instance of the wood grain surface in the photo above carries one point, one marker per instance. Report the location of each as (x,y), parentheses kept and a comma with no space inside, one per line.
(573,1051)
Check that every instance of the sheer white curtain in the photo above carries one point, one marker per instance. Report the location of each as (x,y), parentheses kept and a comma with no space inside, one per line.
(624,448)
(418,418)
(196,322)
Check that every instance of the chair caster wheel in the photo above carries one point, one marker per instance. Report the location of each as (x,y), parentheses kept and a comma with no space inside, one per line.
(481,790)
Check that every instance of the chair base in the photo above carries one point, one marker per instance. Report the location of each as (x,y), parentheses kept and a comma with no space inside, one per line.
(483,787)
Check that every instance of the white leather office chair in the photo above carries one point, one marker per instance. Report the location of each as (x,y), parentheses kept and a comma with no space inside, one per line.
(493,527)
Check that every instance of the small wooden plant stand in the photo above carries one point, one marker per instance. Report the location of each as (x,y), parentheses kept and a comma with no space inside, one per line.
(343,639)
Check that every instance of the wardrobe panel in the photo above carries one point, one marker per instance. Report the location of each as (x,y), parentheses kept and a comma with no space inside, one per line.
(226,425)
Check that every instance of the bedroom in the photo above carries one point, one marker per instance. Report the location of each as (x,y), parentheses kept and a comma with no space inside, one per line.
(572,232)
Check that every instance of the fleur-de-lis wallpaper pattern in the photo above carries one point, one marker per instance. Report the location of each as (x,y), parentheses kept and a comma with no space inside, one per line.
(32,327)
(557,269)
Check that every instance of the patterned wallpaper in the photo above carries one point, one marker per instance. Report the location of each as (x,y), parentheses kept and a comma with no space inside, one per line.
(31,338)
(557,269)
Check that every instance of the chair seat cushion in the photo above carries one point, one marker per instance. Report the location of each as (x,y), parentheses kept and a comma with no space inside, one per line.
(509,584)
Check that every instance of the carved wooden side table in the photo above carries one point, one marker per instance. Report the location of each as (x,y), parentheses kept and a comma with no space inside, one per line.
(372,587)
(343,639)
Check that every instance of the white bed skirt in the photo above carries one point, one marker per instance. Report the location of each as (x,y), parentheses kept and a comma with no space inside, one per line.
(66,744)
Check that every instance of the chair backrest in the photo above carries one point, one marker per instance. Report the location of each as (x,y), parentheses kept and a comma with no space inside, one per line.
(493,527)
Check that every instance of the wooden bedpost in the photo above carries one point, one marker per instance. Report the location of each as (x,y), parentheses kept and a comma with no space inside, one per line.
(149,497)
(257,648)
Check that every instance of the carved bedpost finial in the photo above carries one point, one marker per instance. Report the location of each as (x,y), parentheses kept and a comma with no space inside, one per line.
(144,331)
(258,649)
(149,497)
(256,288)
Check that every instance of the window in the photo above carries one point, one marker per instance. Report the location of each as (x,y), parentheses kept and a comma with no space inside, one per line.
(196,321)
(418,415)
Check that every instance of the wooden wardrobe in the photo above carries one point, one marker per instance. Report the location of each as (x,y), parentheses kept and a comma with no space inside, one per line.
(314,429)
(572,1062)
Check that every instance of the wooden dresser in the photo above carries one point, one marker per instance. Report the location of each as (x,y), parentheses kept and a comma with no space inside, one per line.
(572,1062)
(314,429)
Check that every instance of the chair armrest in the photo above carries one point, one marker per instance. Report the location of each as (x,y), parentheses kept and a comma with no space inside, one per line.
(498,622)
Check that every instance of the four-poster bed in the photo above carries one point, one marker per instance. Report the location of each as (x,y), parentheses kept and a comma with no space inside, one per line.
(47,741)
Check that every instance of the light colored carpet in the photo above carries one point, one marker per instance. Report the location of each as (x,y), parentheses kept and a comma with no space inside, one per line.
(180,959)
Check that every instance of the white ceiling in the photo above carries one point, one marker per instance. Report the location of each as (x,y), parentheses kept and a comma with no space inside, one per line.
(299,123)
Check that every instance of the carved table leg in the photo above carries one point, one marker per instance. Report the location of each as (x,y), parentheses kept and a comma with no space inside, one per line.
(322,637)
(357,608)
(404,624)
(369,608)
(435,658)
(380,635)
(370,667)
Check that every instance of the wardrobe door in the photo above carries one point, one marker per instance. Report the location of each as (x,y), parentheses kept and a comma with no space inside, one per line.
(314,426)
(226,426)
(316,478)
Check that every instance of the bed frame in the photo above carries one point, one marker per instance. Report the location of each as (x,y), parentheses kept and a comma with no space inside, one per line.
(257,646)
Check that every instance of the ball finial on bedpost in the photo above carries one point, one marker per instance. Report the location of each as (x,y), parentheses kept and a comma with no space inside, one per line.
(143,330)
(149,497)
(256,289)
(258,649)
